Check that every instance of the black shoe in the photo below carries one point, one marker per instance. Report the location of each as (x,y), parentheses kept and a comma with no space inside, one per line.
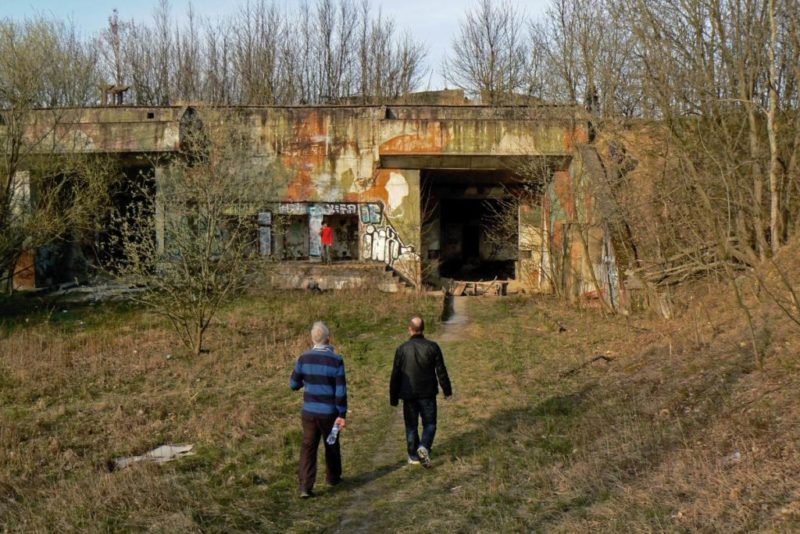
(335,482)
(306,494)
(424,456)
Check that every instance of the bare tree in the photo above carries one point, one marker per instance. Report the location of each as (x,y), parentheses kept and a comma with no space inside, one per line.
(775,219)
(218,81)
(388,67)
(110,46)
(489,56)
(263,54)
(188,67)
(730,83)
(259,29)
(209,200)
(48,190)
(584,53)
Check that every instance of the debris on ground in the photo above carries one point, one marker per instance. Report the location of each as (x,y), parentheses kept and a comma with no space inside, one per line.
(159,455)
(95,293)
(731,459)
(599,358)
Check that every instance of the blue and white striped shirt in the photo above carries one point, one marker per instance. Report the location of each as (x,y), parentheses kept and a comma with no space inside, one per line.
(321,372)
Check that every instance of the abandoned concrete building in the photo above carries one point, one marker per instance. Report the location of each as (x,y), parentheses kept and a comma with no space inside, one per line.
(408,189)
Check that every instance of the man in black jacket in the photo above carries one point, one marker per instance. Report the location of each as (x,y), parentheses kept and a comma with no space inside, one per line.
(418,364)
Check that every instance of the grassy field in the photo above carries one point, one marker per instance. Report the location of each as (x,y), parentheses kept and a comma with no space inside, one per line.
(672,430)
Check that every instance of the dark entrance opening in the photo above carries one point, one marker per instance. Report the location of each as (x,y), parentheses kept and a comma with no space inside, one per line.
(345,236)
(472,242)
(81,257)
(290,237)
(470,225)
(471,249)
(133,198)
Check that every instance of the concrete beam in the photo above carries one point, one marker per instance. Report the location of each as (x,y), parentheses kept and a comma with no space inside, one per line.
(467,162)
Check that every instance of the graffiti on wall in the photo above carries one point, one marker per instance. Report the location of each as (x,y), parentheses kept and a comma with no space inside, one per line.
(318,209)
(316,212)
(371,213)
(382,243)
(293,208)
(379,239)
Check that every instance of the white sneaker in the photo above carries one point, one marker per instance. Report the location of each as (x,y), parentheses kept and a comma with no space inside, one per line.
(424,456)
(413,460)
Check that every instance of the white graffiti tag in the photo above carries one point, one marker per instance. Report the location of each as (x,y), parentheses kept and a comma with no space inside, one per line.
(382,243)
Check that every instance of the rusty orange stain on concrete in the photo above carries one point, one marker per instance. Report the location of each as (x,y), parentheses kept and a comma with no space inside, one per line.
(308,151)
(310,126)
(25,272)
(305,154)
(429,138)
(378,190)
(562,185)
(301,187)
(575,136)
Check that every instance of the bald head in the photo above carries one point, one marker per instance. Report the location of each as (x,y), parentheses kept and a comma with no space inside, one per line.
(416,325)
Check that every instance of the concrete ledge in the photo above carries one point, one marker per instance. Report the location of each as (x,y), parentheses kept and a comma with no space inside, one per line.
(302,275)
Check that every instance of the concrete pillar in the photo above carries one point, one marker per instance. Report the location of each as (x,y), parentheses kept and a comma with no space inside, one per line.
(160,215)
(531,239)
(315,216)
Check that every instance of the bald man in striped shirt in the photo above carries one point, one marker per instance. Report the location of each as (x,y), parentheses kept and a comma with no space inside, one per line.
(320,371)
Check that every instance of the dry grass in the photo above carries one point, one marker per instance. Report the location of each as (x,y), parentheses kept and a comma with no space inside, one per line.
(680,432)
(674,437)
(82,387)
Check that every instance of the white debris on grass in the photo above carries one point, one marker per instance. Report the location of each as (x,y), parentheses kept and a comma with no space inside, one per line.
(159,455)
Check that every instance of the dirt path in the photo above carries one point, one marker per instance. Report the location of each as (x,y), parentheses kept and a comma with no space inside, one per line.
(380,471)
(376,473)
(453,328)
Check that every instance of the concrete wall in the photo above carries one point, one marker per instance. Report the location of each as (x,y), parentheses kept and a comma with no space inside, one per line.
(107,130)
(583,264)
(372,155)
(322,157)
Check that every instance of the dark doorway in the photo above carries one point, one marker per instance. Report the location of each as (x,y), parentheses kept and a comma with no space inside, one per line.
(472,242)
(345,236)
(132,199)
(469,225)
(290,237)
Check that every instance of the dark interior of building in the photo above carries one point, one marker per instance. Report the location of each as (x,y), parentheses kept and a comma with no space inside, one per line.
(290,234)
(469,224)
(76,257)
(345,236)
(470,249)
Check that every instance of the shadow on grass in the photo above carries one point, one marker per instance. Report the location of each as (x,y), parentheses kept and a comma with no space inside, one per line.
(505,424)
(362,479)
(504,453)
(487,441)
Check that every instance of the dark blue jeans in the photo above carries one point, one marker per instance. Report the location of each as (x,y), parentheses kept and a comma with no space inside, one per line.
(412,411)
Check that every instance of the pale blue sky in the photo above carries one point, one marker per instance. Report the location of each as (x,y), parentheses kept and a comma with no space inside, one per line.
(435,22)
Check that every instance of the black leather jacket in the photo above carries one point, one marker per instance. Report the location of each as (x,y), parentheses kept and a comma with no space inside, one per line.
(417,364)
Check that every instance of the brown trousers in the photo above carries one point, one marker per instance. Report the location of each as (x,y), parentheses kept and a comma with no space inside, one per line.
(316,428)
